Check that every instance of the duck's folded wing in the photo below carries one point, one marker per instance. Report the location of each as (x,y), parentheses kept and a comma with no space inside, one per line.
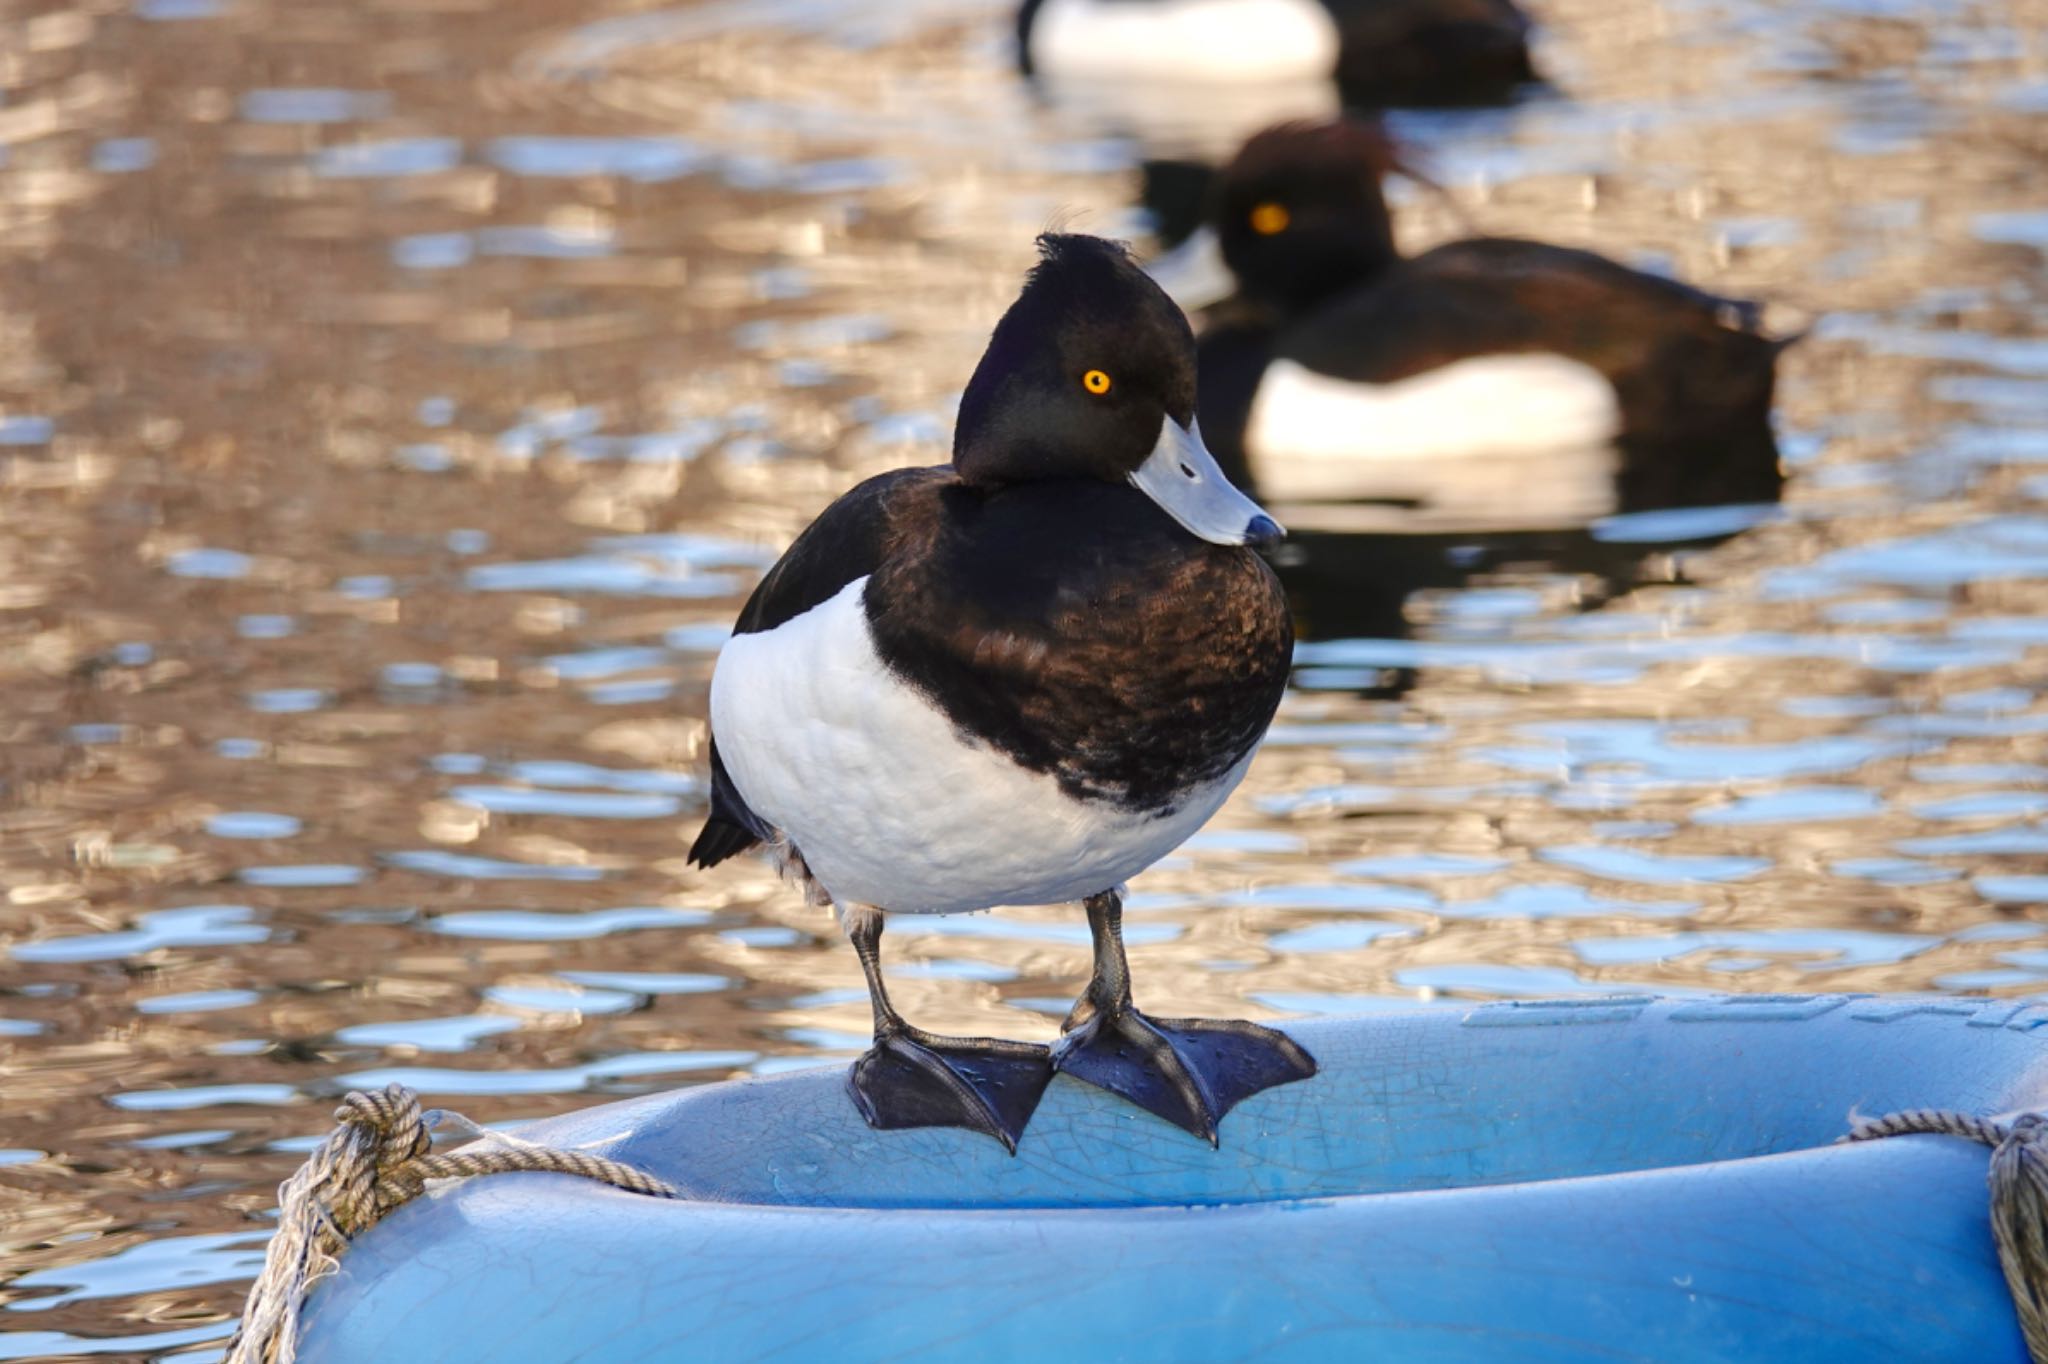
(847,541)
(1496,295)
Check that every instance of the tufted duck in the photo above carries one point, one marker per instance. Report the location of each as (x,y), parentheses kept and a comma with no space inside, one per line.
(1020,678)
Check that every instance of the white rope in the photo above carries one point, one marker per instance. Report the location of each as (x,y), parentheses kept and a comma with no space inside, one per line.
(2019,1198)
(379,1156)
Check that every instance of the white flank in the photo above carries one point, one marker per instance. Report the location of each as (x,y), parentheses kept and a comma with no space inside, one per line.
(1186,120)
(889,803)
(1194,274)
(1498,439)
(1185,40)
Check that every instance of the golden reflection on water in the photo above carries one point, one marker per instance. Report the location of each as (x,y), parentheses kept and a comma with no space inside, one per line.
(376,483)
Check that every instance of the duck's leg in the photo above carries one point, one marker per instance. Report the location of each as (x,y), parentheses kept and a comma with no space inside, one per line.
(1189,1071)
(912,1078)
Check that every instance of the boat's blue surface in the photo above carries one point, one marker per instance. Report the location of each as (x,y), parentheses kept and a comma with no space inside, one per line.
(1605,1179)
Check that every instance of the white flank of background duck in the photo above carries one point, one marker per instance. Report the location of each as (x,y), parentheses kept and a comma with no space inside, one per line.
(1458,437)
(1185,40)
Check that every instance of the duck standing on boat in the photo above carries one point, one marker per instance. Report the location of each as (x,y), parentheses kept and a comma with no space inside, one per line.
(1491,383)
(1021,678)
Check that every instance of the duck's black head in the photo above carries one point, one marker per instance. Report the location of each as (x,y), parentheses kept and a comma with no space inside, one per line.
(1300,214)
(1091,375)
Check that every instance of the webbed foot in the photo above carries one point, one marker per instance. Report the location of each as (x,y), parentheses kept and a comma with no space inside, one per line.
(912,1078)
(1189,1071)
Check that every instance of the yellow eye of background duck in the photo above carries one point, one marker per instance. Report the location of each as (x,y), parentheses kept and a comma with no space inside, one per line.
(1096,382)
(1270,219)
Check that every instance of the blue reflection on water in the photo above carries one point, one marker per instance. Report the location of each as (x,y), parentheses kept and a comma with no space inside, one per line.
(313,105)
(645,159)
(394,157)
(197,926)
(561,926)
(173,1261)
(631,1065)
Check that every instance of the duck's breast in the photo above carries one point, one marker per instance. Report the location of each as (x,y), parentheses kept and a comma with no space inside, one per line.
(892,803)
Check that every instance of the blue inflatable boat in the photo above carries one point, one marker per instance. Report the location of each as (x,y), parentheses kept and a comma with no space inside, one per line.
(1622,1178)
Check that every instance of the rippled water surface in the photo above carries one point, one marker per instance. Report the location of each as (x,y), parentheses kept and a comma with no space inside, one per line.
(397,401)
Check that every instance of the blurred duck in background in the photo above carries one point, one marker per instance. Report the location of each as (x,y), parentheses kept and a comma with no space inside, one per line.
(1488,384)
(1189,80)
(1379,52)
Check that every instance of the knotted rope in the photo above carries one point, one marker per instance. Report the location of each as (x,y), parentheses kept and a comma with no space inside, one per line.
(2019,1198)
(378,1157)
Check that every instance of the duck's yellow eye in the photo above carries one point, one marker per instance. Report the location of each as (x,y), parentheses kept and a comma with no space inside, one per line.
(1269,220)
(1096,382)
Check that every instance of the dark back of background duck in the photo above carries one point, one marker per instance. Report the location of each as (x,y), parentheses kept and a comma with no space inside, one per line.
(1431,53)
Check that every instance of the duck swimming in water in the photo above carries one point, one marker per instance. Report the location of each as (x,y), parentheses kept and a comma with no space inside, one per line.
(1490,383)
(1020,678)
(1378,52)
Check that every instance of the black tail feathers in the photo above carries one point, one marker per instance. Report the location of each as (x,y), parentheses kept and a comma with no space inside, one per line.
(720,840)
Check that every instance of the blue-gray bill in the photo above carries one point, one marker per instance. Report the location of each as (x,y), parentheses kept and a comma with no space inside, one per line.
(1183,478)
